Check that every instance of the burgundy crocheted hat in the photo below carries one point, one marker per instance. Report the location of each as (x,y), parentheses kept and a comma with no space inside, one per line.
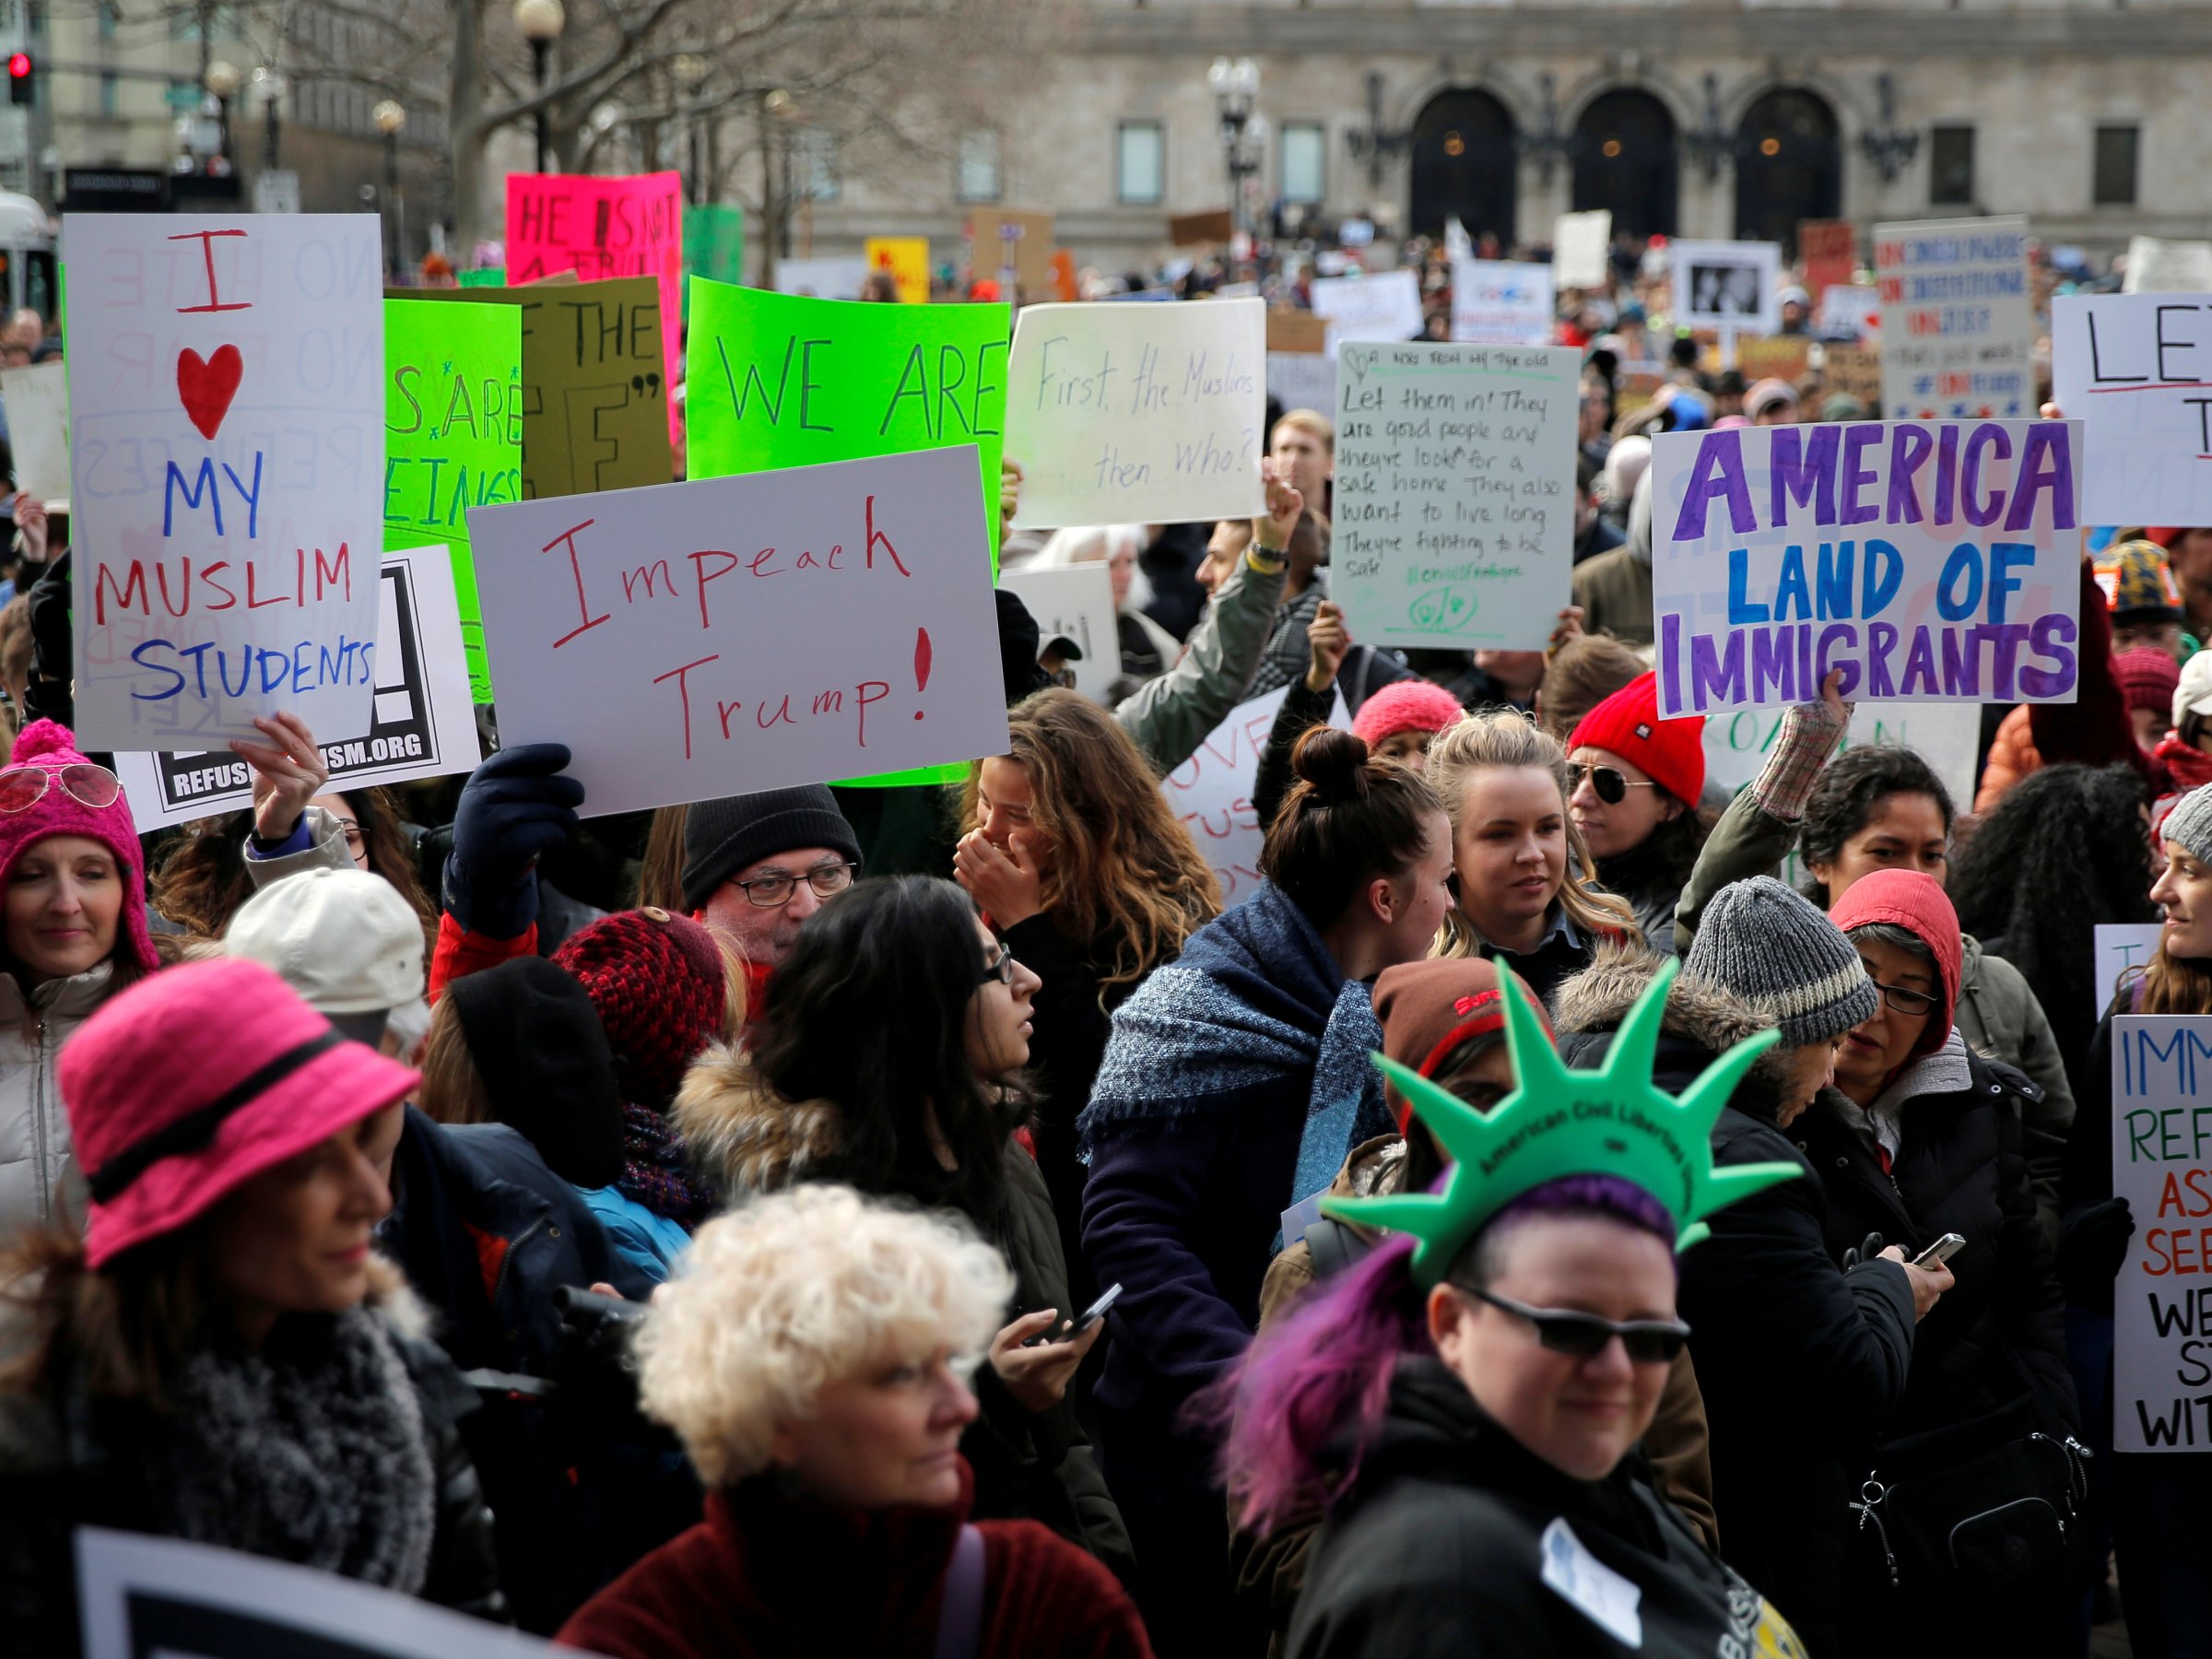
(657,981)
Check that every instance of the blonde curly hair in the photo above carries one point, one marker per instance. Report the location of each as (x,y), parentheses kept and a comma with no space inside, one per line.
(796,1290)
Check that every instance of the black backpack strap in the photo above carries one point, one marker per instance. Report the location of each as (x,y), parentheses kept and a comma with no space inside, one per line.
(1335,1247)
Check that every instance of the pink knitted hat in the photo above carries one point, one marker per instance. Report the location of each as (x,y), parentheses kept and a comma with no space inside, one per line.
(52,748)
(1412,705)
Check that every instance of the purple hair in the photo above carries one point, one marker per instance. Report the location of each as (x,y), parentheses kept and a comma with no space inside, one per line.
(1321,1379)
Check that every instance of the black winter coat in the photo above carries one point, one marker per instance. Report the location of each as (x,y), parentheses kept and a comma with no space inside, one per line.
(69,1458)
(1801,1364)
(1960,1167)
(1440,1551)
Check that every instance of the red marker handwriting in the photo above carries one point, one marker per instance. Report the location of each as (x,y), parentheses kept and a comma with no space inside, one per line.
(215,300)
(921,664)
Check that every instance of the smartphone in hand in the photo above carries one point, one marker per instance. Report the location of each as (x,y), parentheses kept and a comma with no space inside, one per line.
(1088,1317)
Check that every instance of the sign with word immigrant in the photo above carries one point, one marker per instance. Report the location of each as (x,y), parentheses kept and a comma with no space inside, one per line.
(743,633)
(2121,946)
(1137,414)
(226,405)
(602,227)
(1931,562)
(1958,318)
(1455,522)
(37,399)
(422,724)
(595,382)
(2162,1166)
(452,437)
(1732,285)
(1386,306)
(777,381)
(2135,369)
(1210,794)
(1499,302)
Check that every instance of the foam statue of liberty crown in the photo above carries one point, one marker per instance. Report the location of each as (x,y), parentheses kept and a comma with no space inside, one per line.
(1560,1123)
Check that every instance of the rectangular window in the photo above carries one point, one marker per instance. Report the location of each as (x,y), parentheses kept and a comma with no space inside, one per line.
(976,178)
(1950,165)
(107,88)
(814,165)
(1141,164)
(1305,163)
(2114,185)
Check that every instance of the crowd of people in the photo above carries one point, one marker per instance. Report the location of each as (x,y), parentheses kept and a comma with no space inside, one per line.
(926,1220)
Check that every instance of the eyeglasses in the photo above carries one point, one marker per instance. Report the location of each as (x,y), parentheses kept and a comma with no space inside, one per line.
(1584,1336)
(1902,999)
(23,787)
(774,890)
(353,832)
(1000,969)
(1612,786)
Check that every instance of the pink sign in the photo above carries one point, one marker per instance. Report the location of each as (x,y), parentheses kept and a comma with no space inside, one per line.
(630,225)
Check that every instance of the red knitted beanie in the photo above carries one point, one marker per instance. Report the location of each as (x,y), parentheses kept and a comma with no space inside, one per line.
(656,980)
(1670,752)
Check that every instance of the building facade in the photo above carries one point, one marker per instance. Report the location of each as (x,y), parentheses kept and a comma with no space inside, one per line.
(1723,118)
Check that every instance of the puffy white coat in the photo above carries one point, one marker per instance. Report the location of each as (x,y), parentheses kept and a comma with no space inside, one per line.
(34,1130)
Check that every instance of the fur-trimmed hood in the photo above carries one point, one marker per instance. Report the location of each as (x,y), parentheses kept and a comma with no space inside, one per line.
(1596,1001)
(740,1135)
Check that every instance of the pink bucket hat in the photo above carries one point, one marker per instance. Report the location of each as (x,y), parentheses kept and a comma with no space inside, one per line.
(57,812)
(191,1082)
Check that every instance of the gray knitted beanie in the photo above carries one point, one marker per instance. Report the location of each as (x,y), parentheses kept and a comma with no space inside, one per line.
(2189,825)
(1769,946)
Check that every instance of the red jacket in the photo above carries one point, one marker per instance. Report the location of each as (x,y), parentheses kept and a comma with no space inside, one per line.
(767,1574)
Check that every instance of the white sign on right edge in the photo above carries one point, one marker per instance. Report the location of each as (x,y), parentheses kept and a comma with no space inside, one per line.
(2162,1166)
(2135,369)
(38,429)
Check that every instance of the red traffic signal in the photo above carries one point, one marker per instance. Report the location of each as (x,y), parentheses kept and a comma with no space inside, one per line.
(20,70)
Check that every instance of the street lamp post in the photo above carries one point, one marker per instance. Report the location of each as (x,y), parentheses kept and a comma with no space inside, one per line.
(1236,88)
(222,79)
(389,116)
(690,72)
(269,87)
(540,23)
(782,110)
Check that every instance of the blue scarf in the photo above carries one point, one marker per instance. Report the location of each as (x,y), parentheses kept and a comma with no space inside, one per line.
(1255,1006)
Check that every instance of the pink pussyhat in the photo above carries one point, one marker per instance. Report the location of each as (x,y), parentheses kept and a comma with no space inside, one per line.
(51,747)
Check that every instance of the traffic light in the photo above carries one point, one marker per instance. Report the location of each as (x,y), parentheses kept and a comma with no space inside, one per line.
(22,75)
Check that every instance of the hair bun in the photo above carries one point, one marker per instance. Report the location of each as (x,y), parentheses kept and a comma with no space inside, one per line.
(1332,763)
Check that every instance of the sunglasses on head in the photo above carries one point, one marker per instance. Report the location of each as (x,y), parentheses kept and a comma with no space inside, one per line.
(1612,786)
(23,787)
(1584,1336)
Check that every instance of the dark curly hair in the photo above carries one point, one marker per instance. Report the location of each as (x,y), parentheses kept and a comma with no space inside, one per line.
(1846,794)
(2065,850)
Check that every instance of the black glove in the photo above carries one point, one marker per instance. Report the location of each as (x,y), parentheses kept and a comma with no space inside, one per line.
(516,806)
(1869,1250)
(53,647)
(2092,1244)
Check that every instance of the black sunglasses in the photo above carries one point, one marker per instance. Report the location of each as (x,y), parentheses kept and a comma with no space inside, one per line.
(1648,1341)
(1612,786)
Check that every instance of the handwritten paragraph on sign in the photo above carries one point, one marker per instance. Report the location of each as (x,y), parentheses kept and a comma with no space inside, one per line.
(1454,492)
(227,405)
(735,634)
(1931,562)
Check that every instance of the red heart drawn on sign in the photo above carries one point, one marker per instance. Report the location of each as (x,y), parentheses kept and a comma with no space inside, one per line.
(207,386)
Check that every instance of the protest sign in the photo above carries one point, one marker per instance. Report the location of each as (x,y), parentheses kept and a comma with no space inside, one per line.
(1297,331)
(1385,307)
(2162,1166)
(1078,601)
(422,724)
(226,405)
(907,260)
(1728,284)
(37,399)
(594,381)
(602,227)
(1006,245)
(490,276)
(1931,562)
(1210,794)
(2120,945)
(2135,369)
(139,1597)
(1497,302)
(2158,266)
(1137,414)
(1191,230)
(1855,372)
(1454,521)
(1779,357)
(1947,735)
(1581,248)
(1958,318)
(1302,381)
(1458,244)
(714,241)
(751,633)
(821,278)
(452,436)
(1854,311)
(777,381)
(1830,251)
